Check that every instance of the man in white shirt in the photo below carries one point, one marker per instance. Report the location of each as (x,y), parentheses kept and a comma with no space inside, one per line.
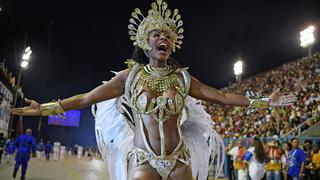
(80,151)
(56,150)
(237,153)
(62,152)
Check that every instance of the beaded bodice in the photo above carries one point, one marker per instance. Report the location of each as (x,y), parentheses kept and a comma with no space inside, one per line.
(160,82)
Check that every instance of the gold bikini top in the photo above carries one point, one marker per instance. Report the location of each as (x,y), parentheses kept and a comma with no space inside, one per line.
(159,81)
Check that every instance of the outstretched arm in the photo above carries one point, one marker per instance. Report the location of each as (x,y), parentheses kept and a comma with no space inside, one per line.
(109,90)
(201,91)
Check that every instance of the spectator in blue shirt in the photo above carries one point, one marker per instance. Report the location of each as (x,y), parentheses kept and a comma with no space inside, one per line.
(25,144)
(48,148)
(296,161)
(10,148)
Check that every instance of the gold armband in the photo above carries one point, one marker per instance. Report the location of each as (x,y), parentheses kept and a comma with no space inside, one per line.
(51,108)
(257,101)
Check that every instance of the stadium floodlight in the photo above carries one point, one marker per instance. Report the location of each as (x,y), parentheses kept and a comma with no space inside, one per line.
(27,54)
(307,37)
(24,64)
(238,68)
(27,49)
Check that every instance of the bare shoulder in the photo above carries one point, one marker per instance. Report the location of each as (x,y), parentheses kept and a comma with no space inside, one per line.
(120,76)
(123,74)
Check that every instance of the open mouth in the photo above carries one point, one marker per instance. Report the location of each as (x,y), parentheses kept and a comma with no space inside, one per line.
(162,47)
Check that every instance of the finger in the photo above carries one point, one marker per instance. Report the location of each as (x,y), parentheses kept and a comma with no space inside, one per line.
(28,100)
(288,104)
(291,99)
(276,93)
(290,96)
(291,102)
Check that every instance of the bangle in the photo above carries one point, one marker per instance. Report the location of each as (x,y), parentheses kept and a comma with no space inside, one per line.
(257,101)
(52,108)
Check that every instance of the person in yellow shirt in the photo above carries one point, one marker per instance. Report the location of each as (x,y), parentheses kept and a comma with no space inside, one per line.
(315,166)
(316,160)
(240,168)
(273,165)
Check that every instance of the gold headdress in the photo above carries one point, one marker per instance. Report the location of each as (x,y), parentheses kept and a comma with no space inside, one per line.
(158,19)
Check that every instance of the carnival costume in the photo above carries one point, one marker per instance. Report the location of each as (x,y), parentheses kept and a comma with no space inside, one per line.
(199,143)
(116,118)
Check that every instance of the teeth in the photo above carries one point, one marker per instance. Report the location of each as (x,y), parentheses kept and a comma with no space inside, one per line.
(163,44)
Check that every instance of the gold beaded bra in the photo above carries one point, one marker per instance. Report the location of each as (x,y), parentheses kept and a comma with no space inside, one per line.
(159,81)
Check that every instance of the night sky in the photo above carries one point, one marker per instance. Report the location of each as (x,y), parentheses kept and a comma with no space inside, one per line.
(89,38)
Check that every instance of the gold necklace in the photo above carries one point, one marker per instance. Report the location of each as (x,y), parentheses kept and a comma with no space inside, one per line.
(159,79)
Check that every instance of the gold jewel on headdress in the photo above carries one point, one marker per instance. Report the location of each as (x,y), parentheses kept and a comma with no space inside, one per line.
(158,19)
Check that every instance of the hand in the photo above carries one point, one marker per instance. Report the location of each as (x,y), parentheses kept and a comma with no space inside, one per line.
(301,175)
(32,110)
(277,100)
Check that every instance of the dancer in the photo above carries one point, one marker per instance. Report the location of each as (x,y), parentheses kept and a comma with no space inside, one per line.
(48,148)
(62,152)
(56,150)
(10,148)
(25,144)
(80,152)
(40,150)
(160,139)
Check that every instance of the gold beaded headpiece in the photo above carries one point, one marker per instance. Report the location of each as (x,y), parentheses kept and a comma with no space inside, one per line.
(159,18)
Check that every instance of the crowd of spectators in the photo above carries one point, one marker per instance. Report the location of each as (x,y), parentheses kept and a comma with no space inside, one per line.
(300,77)
(290,159)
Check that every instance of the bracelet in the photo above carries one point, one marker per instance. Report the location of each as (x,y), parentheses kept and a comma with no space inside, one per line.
(51,108)
(257,101)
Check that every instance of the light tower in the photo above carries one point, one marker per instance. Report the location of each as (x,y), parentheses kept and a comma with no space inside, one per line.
(238,70)
(307,39)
